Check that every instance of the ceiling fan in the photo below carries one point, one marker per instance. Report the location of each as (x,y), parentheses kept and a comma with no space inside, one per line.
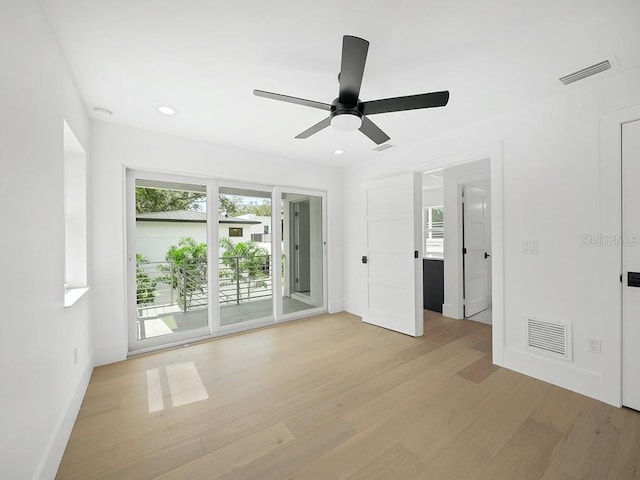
(348,112)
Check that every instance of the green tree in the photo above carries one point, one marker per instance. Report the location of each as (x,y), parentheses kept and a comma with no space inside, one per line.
(162,200)
(262,209)
(247,265)
(189,273)
(145,285)
(235,205)
(229,205)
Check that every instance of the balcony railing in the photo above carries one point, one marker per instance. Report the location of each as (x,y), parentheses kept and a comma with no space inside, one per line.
(167,284)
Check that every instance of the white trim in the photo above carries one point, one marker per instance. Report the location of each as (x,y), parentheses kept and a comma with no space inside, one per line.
(50,462)
(72,295)
(610,259)
(546,369)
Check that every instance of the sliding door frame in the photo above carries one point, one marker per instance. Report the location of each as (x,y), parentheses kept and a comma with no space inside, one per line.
(178,338)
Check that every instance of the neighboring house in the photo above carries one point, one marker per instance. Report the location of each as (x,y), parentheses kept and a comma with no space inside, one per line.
(156,232)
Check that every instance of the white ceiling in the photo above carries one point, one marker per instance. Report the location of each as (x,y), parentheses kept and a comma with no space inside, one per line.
(204,57)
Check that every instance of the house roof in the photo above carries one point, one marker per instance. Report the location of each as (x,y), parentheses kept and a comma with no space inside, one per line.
(189,216)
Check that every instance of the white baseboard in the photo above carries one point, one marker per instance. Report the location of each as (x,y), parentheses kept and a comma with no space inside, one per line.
(58,442)
(336,306)
(355,308)
(451,311)
(106,354)
(557,372)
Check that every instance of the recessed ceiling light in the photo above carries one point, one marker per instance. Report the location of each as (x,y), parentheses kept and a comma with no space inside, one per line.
(102,111)
(338,152)
(166,110)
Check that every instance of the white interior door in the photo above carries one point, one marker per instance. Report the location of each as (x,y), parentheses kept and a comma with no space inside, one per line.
(475,258)
(631,265)
(393,261)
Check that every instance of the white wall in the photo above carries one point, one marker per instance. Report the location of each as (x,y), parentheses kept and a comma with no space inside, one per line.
(114,147)
(551,184)
(41,385)
(432,197)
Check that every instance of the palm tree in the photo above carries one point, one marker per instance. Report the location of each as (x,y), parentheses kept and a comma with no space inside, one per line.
(247,264)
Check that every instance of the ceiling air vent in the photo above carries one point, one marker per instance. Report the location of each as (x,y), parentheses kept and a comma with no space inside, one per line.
(550,338)
(586,72)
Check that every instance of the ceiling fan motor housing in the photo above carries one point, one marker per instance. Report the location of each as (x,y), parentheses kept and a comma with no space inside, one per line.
(345,117)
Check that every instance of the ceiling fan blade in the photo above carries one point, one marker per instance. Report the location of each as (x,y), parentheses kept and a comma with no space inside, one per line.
(354,57)
(410,102)
(289,99)
(372,131)
(315,129)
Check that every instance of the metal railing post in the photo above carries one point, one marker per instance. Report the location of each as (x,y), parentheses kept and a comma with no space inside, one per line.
(184,286)
(237,280)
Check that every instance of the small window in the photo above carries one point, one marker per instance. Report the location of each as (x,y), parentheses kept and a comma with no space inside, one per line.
(266,229)
(235,231)
(75,217)
(256,237)
(433,221)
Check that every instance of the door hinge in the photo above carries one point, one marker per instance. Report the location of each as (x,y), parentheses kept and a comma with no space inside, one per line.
(464,251)
(416,254)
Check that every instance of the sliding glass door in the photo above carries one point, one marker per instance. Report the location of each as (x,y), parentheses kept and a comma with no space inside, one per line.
(245,254)
(303,252)
(167,259)
(207,257)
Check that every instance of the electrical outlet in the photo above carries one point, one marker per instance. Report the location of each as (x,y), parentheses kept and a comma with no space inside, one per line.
(593,345)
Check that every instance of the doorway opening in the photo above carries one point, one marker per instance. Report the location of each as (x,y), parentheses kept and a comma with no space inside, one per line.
(303,251)
(456,206)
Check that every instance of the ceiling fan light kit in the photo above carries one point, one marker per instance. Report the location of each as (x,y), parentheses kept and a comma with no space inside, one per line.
(348,112)
(347,122)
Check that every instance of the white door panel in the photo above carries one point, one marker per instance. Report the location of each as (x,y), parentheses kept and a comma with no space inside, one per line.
(630,263)
(475,263)
(393,273)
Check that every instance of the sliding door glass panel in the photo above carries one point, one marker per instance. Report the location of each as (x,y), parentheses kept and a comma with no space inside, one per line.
(171,271)
(245,262)
(302,252)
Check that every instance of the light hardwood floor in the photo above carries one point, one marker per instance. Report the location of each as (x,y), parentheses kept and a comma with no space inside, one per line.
(333,398)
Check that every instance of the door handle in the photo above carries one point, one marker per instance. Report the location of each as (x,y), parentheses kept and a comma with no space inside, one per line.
(364,259)
(633,279)
(486,255)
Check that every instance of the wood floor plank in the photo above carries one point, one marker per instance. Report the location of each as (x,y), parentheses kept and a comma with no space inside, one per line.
(334,398)
(396,463)
(233,456)
(559,409)
(626,459)
(284,461)
(479,370)
(527,455)
(587,450)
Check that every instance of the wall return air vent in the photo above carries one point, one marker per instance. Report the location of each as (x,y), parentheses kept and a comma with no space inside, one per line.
(549,338)
(586,72)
